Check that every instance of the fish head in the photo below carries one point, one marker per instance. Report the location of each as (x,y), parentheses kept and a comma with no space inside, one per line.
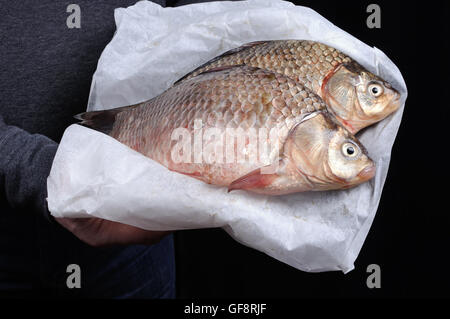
(318,154)
(357,97)
(323,155)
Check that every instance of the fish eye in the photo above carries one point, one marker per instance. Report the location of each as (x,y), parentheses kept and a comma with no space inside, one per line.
(350,150)
(375,89)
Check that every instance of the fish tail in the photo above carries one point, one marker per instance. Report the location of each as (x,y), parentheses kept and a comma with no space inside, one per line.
(102,121)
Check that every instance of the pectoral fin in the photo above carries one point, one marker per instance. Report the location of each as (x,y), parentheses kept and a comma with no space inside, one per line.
(258,179)
(252,180)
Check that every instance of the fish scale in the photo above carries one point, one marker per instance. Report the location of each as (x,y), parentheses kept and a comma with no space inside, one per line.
(315,60)
(244,97)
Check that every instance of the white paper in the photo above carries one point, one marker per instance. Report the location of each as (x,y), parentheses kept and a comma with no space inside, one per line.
(95,175)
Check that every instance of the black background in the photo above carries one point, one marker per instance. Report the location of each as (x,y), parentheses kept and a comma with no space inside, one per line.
(409,237)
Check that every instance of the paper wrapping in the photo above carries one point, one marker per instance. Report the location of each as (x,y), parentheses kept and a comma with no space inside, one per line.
(93,175)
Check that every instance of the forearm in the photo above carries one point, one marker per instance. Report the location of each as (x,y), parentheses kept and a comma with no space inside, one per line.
(25,163)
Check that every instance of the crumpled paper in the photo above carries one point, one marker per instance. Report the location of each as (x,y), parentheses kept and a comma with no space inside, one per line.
(95,175)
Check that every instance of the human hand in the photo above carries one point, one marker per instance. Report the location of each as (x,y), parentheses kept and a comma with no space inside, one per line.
(99,232)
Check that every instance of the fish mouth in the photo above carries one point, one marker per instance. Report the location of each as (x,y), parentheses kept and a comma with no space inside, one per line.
(394,104)
(367,173)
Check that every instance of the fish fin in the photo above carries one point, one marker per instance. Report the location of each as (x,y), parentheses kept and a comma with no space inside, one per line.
(217,69)
(193,174)
(102,121)
(223,68)
(227,53)
(236,50)
(253,180)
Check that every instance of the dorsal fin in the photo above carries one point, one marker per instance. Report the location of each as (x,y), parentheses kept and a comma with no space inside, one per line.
(221,68)
(227,53)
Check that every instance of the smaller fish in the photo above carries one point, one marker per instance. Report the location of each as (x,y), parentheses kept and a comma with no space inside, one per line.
(356,97)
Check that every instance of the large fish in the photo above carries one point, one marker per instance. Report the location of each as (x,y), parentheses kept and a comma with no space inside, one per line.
(245,128)
(356,97)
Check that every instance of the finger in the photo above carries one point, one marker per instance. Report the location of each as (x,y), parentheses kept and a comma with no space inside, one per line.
(127,234)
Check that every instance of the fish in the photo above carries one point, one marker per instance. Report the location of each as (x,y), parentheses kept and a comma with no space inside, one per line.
(356,97)
(244,128)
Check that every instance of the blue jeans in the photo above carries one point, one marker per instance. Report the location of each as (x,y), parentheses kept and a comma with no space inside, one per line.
(34,260)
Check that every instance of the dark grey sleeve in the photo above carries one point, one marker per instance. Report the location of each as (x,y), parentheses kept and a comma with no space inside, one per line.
(25,162)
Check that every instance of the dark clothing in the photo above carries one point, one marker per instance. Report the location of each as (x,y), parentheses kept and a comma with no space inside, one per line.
(46,70)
